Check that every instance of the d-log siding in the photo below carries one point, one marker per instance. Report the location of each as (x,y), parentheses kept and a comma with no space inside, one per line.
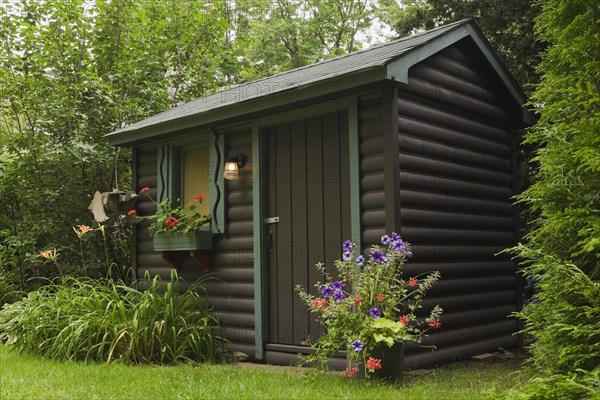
(455,192)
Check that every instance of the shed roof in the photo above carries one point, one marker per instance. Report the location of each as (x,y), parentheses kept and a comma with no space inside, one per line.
(386,61)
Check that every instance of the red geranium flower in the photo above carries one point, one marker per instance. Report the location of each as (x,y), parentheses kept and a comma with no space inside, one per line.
(379,297)
(171,222)
(350,373)
(435,324)
(324,303)
(145,189)
(132,212)
(404,319)
(373,364)
(199,198)
(412,282)
(357,300)
(318,302)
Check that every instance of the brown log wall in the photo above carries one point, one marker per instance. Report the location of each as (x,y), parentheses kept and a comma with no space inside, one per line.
(372,179)
(232,259)
(455,189)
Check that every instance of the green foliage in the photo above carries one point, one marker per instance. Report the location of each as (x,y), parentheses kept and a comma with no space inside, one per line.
(29,377)
(563,316)
(370,306)
(104,320)
(181,218)
(562,250)
(70,72)
(275,36)
(580,384)
(74,70)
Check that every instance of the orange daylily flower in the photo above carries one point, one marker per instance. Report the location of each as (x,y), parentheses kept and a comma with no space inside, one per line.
(50,254)
(82,230)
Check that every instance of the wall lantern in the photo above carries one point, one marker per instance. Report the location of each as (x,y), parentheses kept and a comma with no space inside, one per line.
(232,167)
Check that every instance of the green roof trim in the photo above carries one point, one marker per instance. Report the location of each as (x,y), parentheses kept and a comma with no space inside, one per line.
(386,61)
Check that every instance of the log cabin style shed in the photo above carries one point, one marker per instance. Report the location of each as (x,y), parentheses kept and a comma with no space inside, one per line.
(414,136)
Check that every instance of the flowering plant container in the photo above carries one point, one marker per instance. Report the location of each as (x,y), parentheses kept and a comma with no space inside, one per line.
(369,308)
(170,218)
(200,239)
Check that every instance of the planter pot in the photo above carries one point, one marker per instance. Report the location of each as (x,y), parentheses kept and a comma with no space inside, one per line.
(201,239)
(392,360)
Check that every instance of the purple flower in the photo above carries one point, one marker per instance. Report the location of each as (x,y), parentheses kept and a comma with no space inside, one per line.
(385,240)
(409,254)
(360,261)
(398,245)
(378,257)
(337,285)
(347,246)
(347,255)
(327,291)
(338,296)
(375,312)
(357,345)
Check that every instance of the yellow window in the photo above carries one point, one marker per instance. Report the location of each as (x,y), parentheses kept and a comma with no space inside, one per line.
(196,175)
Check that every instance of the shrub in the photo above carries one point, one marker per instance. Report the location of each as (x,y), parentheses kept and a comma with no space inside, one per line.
(562,249)
(105,320)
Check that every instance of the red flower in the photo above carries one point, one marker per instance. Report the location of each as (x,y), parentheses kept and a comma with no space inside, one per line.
(404,320)
(351,373)
(132,213)
(357,300)
(435,324)
(318,302)
(324,303)
(379,297)
(199,198)
(145,189)
(171,222)
(412,282)
(373,364)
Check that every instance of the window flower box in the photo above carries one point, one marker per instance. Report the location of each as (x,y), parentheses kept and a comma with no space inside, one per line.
(200,239)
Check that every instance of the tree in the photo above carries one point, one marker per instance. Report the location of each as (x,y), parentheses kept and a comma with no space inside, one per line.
(284,34)
(70,72)
(563,248)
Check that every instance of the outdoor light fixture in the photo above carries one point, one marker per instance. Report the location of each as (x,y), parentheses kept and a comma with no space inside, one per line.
(232,167)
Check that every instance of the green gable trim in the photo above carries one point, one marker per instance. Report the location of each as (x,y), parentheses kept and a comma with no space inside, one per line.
(397,69)
(500,69)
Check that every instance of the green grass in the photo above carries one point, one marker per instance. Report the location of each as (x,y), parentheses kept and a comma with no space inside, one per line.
(28,377)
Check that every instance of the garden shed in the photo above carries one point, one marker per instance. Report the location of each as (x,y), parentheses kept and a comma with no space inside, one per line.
(415,136)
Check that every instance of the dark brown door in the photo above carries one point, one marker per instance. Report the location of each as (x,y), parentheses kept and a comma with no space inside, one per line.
(308,195)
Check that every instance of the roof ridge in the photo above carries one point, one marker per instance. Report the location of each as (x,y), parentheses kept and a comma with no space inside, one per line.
(376,46)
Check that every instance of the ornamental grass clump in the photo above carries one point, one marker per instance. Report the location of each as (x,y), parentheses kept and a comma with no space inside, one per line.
(104,320)
(369,306)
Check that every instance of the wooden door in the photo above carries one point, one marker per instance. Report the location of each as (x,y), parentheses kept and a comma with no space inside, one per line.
(308,192)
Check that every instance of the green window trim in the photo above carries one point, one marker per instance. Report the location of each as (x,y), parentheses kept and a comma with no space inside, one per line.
(170,173)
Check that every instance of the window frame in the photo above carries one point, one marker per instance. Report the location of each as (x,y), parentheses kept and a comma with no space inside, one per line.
(170,173)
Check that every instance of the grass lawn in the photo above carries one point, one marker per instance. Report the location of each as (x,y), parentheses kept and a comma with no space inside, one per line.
(25,377)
